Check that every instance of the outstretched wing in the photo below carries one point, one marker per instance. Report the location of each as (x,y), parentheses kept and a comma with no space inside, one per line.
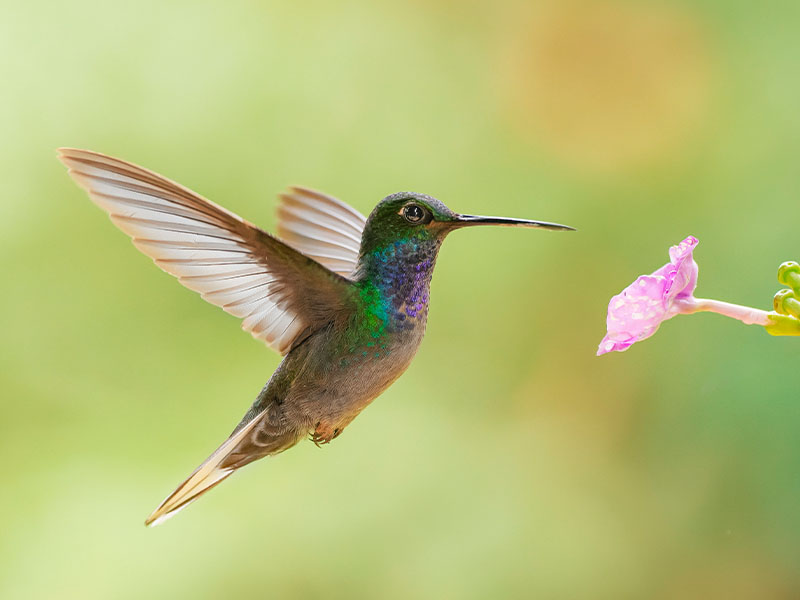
(322,227)
(278,292)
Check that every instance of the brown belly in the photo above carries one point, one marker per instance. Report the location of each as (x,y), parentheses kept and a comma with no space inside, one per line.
(331,394)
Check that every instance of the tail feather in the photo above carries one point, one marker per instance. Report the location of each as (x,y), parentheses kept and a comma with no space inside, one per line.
(212,472)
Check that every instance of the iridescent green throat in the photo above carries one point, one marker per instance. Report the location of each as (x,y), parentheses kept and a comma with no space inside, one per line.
(395,281)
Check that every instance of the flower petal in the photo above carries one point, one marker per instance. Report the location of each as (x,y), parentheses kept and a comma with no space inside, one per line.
(685,279)
(637,312)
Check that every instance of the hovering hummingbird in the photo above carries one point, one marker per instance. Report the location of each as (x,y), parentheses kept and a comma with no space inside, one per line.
(343,298)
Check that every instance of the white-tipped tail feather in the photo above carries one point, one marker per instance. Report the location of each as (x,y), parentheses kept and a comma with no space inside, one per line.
(203,479)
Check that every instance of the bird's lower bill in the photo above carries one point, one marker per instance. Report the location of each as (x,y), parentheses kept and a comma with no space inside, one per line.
(470,220)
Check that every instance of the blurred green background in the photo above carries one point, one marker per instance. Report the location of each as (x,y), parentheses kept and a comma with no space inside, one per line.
(509,462)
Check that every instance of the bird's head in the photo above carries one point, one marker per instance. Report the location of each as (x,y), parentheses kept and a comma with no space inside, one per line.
(421,218)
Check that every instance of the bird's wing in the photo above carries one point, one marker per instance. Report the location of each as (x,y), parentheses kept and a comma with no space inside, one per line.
(322,227)
(277,291)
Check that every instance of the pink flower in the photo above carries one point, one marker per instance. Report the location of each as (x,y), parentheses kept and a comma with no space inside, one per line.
(638,311)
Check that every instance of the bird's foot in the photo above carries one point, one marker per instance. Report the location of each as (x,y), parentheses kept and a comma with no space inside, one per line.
(323,434)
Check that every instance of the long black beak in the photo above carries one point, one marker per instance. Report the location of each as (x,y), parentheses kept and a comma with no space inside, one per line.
(469,220)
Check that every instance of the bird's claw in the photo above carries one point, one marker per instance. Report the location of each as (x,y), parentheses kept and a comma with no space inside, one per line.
(324,434)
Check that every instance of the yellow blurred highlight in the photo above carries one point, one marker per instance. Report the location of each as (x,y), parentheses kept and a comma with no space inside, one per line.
(608,85)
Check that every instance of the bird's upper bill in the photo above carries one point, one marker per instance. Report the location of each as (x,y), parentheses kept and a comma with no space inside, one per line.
(470,220)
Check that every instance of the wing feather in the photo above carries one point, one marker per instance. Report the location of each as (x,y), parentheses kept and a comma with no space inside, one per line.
(322,227)
(275,289)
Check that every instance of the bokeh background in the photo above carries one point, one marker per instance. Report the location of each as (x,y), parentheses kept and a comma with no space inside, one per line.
(509,462)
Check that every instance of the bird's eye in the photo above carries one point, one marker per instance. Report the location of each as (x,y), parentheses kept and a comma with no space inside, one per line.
(413,213)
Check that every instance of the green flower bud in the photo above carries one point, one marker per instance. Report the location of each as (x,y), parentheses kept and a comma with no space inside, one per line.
(789,275)
(786,303)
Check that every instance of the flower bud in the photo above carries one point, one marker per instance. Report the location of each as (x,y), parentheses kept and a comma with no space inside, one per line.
(789,275)
(786,303)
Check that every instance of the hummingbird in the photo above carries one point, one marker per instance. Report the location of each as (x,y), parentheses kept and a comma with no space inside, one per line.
(342,297)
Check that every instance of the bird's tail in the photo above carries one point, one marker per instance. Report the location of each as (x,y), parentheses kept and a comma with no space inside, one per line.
(214,470)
